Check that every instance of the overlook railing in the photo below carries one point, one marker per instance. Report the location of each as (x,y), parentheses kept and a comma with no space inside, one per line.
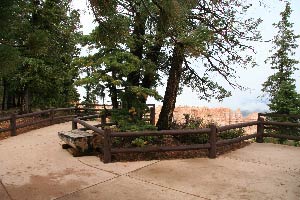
(103,129)
(274,125)
(213,133)
(56,115)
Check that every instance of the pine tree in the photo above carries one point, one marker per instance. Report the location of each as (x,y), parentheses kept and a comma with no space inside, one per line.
(280,87)
(161,38)
(37,46)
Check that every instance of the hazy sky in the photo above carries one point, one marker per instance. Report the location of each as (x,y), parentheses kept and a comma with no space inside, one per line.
(251,78)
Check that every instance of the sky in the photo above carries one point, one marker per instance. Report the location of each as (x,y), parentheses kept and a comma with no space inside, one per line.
(251,78)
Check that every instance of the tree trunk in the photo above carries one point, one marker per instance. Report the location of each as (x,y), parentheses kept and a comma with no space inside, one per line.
(114,92)
(114,97)
(150,75)
(133,78)
(11,101)
(166,114)
(4,97)
(26,101)
(153,56)
(139,31)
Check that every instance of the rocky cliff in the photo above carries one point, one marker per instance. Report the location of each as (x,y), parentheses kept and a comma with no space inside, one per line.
(221,116)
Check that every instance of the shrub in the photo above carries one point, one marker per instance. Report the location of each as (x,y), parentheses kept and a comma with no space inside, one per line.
(233,133)
(191,123)
(285,130)
(192,139)
(129,120)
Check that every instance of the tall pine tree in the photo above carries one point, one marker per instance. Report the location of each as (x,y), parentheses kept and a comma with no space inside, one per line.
(161,37)
(37,46)
(280,87)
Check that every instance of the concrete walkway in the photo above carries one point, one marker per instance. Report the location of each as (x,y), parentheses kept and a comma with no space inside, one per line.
(34,166)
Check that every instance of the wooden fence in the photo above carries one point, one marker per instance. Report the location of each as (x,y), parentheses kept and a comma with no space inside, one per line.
(52,116)
(213,133)
(49,116)
(274,124)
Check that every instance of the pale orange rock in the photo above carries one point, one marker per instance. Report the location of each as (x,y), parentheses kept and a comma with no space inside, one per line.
(220,116)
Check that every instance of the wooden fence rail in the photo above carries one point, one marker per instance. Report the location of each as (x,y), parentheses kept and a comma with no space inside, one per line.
(236,140)
(282,123)
(276,124)
(213,132)
(161,149)
(160,133)
(86,125)
(234,126)
(211,146)
(50,116)
(281,136)
(213,142)
(5,119)
(278,115)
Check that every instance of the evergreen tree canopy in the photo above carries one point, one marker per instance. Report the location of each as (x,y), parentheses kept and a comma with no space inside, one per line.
(280,87)
(163,36)
(38,44)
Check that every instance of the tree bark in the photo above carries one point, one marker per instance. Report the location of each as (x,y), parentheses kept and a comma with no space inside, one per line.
(166,114)
(134,77)
(153,56)
(114,92)
(138,32)
(26,101)
(11,101)
(150,75)
(154,51)
(149,78)
(4,97)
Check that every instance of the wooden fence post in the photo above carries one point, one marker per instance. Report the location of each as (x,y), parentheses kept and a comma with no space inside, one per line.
(13,124)
(107,146)
(213,141)
(260,130)
(74,125)
(152,115)
(51,115)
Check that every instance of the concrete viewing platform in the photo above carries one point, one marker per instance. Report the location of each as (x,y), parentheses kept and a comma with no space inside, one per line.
(33,166)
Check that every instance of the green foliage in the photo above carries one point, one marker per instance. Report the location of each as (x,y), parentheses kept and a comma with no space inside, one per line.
(193,138)
(40,43)
(198,123)
(191,123)
(279,141)
(9,54)
(280,87)
(116,24)
(233,133)
(9,59)
(139,142)
(284,130)
(297,144)
(146,140)
(148,31)
(286,100)
(128,120)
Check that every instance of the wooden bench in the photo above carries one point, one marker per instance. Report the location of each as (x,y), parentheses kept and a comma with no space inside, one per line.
(80,143)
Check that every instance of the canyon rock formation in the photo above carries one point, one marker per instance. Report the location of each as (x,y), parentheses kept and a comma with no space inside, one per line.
(220,116)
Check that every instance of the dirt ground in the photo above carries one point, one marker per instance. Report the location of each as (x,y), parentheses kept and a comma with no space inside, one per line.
(34,166)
